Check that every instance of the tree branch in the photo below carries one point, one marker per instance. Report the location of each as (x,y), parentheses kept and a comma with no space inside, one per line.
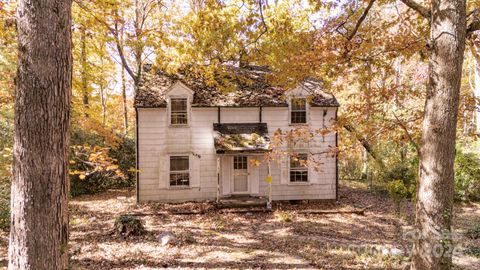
(360,20)
(114,32)
(364,143)
(425,12)
(410,138)
(122,56)
(474,23)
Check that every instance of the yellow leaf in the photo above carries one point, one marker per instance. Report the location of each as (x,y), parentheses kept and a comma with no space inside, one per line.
(81,176)
(269,179)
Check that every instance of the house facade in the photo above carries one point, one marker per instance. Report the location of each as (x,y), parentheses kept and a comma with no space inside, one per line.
(198,143)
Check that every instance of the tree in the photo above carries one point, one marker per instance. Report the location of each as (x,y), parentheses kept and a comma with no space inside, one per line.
(434,208)
(39,226)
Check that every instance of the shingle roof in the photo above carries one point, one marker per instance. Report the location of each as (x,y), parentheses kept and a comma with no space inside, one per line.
(251,89)
(241,137)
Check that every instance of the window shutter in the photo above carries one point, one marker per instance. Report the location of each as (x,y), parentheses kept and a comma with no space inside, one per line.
(194,171)
(284,171)
(253,177)
(163,171)
(226,174)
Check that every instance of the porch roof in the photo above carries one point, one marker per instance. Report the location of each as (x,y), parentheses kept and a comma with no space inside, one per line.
(241,138)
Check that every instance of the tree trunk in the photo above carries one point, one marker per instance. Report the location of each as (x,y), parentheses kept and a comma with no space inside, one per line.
(83,63)
(124,90)
(39,206)
(476,54)
(124,98)
(433,248)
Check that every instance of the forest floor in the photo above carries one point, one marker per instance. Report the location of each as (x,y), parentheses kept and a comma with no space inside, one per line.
(283,239)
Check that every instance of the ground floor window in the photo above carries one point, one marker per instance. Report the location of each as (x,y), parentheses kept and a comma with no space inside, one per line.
(179,171)
(298,168)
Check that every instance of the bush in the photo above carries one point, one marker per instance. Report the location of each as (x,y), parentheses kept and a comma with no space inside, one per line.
(467,175)
(6,142)
(96,167)
(126,225)
(398,192)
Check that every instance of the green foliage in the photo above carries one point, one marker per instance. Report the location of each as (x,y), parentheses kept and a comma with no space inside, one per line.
(126,225)
(398,192)
(125,156)
(96,167)
(467,175)
(473,251)
(6,142)
(474,232)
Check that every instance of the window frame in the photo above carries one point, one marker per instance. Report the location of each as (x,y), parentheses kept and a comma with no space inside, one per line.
(299,168)
(291,111)
(170,112)
(170,171)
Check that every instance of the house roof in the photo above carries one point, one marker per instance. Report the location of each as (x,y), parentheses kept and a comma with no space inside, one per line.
(241,137)
(250,85)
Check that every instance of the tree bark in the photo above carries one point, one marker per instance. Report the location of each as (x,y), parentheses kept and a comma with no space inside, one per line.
(476,54)
(83,63)
(434,209)
(39,206)
(124,99)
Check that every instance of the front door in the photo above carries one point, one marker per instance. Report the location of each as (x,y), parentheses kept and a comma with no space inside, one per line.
(240,175)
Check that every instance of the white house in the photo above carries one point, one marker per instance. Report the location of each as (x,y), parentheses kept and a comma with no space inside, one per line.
(196,142)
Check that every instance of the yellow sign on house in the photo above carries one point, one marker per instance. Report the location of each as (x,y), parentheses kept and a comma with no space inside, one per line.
(268,179)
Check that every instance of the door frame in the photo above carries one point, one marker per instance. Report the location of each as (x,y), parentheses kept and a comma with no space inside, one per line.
(232,183)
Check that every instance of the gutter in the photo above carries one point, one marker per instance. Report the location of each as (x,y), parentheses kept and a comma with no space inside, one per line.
(137,172)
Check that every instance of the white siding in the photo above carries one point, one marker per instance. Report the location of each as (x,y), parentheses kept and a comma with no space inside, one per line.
(156,139)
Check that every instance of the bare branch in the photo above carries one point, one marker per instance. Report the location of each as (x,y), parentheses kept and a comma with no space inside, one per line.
(425,12)
(410,138)
(473,21)
(364,143)
(114,32)
(360,20)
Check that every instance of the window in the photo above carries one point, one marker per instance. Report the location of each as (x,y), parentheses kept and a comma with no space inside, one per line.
(298,168)
(178,111)
(179,171)
(239,163)
(298,111)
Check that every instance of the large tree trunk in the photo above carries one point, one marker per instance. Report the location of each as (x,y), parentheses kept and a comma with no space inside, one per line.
(434,209)
(39,226)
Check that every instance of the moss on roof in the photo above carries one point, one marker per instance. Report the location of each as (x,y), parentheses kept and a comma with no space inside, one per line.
(249,88)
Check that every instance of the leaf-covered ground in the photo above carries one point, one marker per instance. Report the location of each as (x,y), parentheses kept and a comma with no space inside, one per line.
(284,239)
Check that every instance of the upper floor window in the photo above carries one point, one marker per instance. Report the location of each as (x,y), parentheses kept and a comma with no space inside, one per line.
(298,168)
(298,111)
(179,171)
(179,111)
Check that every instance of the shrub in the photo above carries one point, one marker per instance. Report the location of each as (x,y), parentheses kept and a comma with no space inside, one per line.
(467,175)
(474,232)
(96,166)
(283,216)
(6,142)
(126,225)
(398,192)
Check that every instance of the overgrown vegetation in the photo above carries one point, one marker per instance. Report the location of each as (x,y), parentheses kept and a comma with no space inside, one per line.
(6,141)
(467,174)
(95,166)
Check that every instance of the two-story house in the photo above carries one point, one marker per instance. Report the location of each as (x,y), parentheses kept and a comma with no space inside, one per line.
(196,142)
